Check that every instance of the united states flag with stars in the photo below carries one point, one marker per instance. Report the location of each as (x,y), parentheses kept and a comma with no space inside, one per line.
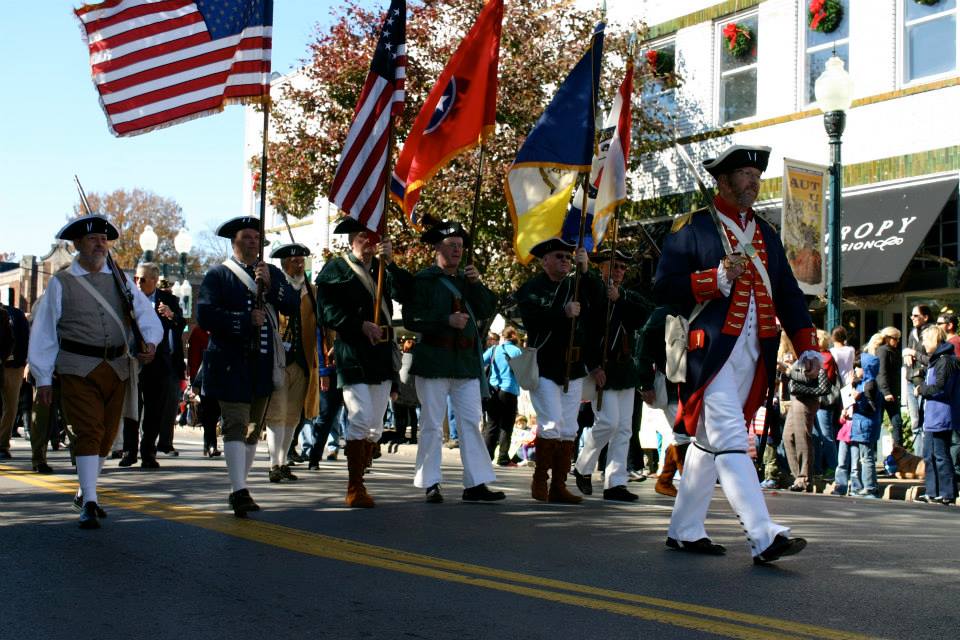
(360,181)
(156,63)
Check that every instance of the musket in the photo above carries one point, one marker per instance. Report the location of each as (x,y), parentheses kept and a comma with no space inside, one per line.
(707,193)
(120,280)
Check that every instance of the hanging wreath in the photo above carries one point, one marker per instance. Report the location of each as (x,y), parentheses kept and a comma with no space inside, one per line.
(824,15)
(927,3)
(739,39)
(660,62)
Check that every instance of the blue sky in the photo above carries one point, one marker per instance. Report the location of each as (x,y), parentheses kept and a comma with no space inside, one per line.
(52,127)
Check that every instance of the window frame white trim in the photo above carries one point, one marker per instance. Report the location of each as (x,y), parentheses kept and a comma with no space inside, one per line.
(804,50)
(718,75)
(902,48)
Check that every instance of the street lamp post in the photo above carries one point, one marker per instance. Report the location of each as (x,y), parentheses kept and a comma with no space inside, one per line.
(148,243)
(183,243)
(834,93)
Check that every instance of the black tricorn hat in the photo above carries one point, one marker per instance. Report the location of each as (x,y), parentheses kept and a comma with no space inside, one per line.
(604,256)
(76,229)
(291,250)
(443,230)
(544,247)
(737,157)
(347,224)
(230,228)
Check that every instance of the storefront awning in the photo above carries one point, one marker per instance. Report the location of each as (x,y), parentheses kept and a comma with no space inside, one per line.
(881,230)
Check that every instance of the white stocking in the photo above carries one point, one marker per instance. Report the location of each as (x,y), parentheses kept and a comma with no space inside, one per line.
(87,468)
(285,443)
(274,445)
(234,452)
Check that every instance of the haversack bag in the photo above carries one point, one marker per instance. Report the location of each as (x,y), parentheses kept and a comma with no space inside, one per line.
(525,368)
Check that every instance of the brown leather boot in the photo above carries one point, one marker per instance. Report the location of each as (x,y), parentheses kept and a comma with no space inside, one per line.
(562,460)
(545,452)
(664,484)
(357,495)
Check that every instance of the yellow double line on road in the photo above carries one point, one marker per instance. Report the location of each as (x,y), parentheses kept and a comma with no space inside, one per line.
(717,621)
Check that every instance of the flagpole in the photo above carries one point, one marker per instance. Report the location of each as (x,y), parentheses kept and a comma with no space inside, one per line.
(606,326)
(585,182)
(477,187)
(383,232)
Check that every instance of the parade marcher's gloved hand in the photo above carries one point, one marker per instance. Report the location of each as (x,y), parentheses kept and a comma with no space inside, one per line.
(458,319)
(372,331)
(263,274)
(599,376)
(472,275)
(572,309)
(258,317)
(385,250)
(146,357)
(613,292)
(582,260)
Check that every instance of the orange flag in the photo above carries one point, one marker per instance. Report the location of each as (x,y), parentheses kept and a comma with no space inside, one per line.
(458,113)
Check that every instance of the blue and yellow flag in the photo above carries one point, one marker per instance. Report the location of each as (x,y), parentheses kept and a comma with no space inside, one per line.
(560,146)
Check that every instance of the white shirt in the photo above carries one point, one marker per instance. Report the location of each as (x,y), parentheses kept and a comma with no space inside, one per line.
(44,343)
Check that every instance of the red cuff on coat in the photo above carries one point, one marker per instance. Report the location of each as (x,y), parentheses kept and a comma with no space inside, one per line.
(805,340)
(704,285)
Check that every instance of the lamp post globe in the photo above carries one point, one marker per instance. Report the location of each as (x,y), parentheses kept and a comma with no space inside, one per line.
(834,93)
(148,243)
(183,242)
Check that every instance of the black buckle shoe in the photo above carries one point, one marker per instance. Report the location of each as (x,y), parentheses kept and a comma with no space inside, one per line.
(88,516)
(433,494)
(703,546)
(242,503)
(620,494)
(128,460)
(275,474)
(584,484)
(285,473)
(481,493)
(78,506)
(43,467)
(780,547)
(148,464)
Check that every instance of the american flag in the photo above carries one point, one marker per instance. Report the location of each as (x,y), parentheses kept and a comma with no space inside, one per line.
(361,178)
(156,63)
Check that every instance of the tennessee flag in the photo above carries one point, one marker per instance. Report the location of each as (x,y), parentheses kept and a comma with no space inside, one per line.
(458,113)
(560,145)
(608,175)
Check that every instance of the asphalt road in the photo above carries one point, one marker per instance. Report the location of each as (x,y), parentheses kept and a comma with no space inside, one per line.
(171,562)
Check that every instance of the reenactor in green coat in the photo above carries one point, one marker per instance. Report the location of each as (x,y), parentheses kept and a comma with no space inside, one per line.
(547,307)
(619,321)
(447,303)
(364,351)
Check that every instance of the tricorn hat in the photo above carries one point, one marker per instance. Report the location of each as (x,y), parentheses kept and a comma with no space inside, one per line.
(604,256)
(443,230)
(76,229)
(291,250)
(737,157)
(230,228)
(544,247)
(347,224)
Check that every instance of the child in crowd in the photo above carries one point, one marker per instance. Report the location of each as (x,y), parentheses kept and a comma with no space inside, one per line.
(940,390)
(865,423)
(847,476)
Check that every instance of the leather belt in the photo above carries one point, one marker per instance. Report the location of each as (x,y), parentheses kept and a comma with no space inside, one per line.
(449,342)
(91,351)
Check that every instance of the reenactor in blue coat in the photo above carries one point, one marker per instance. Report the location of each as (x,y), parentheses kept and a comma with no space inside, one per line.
(729,273)
(243,362)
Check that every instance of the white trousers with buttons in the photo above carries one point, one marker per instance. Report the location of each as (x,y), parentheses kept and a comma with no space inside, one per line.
(722,428)
(611,429)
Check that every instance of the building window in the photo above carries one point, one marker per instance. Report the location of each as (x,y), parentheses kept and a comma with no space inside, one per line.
(659,66)
(929,39)
(737,83)
(820,47)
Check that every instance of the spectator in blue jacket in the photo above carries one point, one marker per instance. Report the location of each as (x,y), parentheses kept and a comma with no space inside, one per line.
(504,390)
(865,430)
(939,390)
